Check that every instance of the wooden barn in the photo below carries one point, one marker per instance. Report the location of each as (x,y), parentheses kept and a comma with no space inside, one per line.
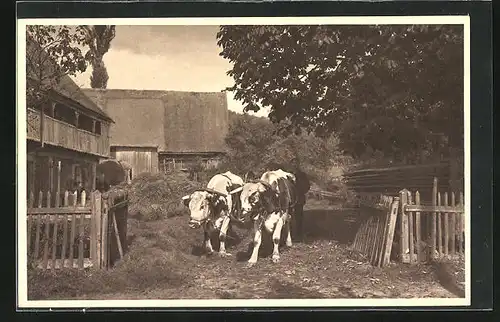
(160,130)
(65,147)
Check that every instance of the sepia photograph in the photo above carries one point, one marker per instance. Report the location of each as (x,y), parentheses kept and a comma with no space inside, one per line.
(239,162)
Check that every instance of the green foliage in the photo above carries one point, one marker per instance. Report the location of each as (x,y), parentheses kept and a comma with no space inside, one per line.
(396,89)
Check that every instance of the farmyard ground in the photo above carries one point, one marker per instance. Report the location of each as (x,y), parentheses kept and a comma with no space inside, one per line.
(164,262)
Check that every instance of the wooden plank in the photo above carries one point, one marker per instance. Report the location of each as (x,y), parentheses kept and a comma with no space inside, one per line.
(97,221)
(72,240)
(391,227)
(371,237)
(58,184)
(38,227)
(54,239)
(453,225)
(65,236)
(375,238)
(380,242)
(80,241)
(60,210)
(418,230)
(117,234)
(46,235)
(379,236)
(433,219)
(429,208)
(446,226)
(403,197)
(439,228)
(386,215)
(411,237)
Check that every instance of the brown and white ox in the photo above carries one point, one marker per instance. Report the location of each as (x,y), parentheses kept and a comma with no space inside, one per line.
(269,204)
(212,208)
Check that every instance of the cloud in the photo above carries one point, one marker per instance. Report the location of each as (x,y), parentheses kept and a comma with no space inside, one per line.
(182,58)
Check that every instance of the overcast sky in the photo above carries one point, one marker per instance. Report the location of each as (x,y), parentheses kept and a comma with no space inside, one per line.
(183,58)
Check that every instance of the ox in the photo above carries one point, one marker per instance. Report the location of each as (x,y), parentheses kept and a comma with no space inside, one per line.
(212,207)
(269,204)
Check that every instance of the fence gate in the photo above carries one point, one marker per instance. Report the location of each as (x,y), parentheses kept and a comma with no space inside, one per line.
(429,231)
(78,233)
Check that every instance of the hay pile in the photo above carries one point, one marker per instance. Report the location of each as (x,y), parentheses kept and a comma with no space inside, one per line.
(157,196)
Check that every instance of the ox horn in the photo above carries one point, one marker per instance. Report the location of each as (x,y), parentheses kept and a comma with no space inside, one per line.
(213,191)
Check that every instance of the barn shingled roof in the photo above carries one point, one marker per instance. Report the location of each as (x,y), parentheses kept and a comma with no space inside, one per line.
(174,121)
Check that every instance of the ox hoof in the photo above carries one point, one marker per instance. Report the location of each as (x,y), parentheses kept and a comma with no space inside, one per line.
(210,252)
(276,258)
(289,243)
(225,254)
(250,264)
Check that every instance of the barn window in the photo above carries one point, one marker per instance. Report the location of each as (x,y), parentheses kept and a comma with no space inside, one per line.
(97,127)
(65,114)
(85,123)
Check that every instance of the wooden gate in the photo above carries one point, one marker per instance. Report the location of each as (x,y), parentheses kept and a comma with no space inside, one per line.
(78,234)
(429,231)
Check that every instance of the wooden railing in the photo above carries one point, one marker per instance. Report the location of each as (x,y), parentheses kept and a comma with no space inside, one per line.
(65,135)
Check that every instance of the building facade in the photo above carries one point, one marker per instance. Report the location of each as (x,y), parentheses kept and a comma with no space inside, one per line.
(65,142)
(155,131)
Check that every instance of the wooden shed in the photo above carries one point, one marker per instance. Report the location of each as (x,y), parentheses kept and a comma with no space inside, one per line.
(160,130)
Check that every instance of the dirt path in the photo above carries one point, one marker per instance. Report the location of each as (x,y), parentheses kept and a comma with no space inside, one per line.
(161,264)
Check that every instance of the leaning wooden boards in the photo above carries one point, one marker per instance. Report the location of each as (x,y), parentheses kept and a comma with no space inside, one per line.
(376,234)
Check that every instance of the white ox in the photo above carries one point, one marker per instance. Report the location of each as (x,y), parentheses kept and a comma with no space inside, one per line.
(212,207)
(269,203)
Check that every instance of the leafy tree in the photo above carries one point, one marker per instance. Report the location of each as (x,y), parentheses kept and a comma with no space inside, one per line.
(387,89)
(99,38)
(52,52)
(254,143)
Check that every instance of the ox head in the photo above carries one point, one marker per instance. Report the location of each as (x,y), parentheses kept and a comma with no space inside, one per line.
(253,197)
(202,204)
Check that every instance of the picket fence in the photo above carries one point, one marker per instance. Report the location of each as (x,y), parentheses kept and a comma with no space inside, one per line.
(76,231)
(425,231)
(430,231)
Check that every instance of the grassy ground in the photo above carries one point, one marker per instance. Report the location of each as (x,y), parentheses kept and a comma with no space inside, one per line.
(164,262)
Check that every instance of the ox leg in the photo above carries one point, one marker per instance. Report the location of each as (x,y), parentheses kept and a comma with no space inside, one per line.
(288,231)
(222,237)
(208,243)
(277,238)
(257,239)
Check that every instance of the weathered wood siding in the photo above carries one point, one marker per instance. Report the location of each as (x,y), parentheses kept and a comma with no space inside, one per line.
(61,134)
(141,159)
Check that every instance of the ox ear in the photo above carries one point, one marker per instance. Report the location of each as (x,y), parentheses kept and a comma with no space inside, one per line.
(239,189)
(186,200)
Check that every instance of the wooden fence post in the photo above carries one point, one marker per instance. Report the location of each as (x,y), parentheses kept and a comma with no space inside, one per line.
(96,214)
(403,237)
(104,232)
(418,230)
(391,225)
(433,220)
